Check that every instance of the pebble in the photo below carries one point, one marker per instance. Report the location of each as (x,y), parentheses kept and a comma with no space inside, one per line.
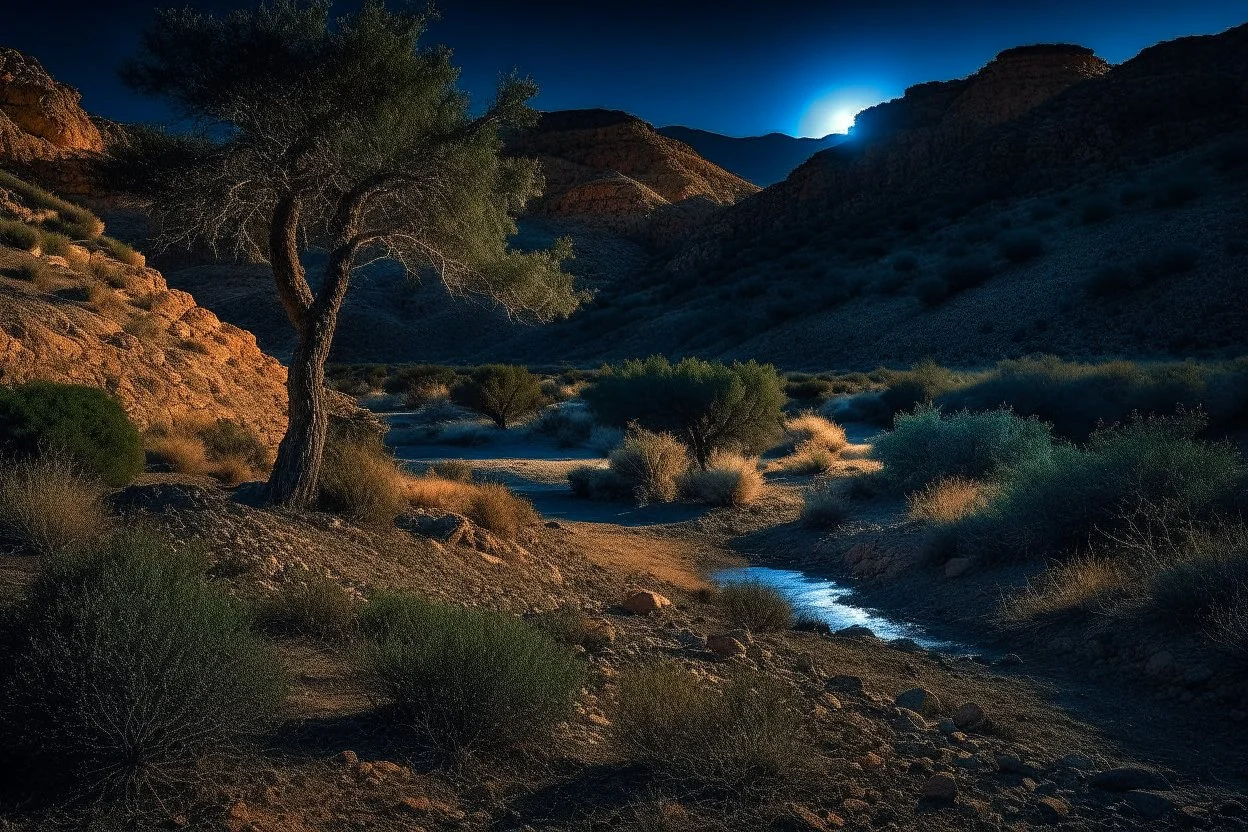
(940,788)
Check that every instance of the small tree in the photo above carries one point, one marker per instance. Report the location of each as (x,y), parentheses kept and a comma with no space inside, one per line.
(346,136)
(503,392)
(709,405)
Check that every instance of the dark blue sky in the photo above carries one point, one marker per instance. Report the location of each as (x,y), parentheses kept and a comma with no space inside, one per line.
(737,68)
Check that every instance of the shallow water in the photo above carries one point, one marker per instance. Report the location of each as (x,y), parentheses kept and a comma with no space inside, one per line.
(832,603)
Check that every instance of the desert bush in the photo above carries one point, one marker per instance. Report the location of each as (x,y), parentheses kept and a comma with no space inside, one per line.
(807,388)
(145,327)
(127,670)
(572,627)
(221,448)
(502,392)
(360,480)
(823,506)
(650,465)
(57,245)
(489,505)
(588,482)
(741,736)
(413,376)
(926,445)
(755,606)
(567,426)
(49,504)
(1097,210)
(16,234)
(728,480)
(947,500)
(710,406)
(121,252)
(35,272)
(84,422)
(105,300)
(1054,505)
(603,440)
(455,470)
(465,434)
(1021,246)
(315,607)
(931,291)
(469,680)
(1083,584)
(68,212)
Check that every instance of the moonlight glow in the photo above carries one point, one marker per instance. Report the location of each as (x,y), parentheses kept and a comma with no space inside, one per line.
(834,112)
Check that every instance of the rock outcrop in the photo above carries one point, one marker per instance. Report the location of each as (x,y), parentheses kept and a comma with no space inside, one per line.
(40,118)
(612,170)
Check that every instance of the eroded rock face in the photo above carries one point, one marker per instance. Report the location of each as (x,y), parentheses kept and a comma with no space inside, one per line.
(613,170)
(40,118)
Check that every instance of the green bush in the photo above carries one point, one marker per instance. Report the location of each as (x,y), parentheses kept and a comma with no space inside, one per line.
(56,244)
(709,406)
(926,445)
(126,669)
(120,251)
(16,234)
(84,422)
(756,606)
(1056,504)
(503,392)
(227,439)
(742,736)
(360,480)
(1021,246)
(419,375)
(468,680)
(317,607)
(648,466)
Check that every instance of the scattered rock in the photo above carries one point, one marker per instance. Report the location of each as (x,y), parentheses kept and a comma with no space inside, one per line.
(1053,809)
(347,758)
(725,646)
(941,789)
(645,602)
(919,700)
(846,684)
(908,720)
(856,631)
(1149,804)
(1011,764)
(969,715)
(804,819)
(1128,778)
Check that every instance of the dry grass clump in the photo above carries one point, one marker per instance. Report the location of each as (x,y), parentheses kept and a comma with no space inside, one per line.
(810,427)
(105,300)
(572,627)
(145,327)
(490,505)
(456,470)
(56,245)
(823,506)
(650,465)
(1079,585)
(756,606)
(19,235)
(360,480)
(50,504)
(729,480)
(743,736)
(317,607)
(122,252)
(948,500)
(226,450)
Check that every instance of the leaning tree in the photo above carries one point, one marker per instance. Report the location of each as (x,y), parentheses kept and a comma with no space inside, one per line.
(346,136)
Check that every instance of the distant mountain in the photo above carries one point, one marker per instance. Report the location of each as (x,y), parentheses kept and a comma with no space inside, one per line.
(763,160)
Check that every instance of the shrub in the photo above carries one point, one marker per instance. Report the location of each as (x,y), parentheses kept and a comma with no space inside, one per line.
(807,388)
(729,480)
(1021,246)
(489,505)
(35,272)
(809,428)
(418,375)
(84,422)
(742,736)
(1097,210)
(57,245)
(469,680)
(16,234)
(710,406)
(756,606)
(502,392)
(317,607)
(48,504)
(127,670)
(226,439)
(588,482)
(926,445)
(359,479)
(931,291)
(455,470)
(649,465)
(823,506)
(1053,506)
(122,252)
(572,627)
(37,197)
(947,500)
(567,426)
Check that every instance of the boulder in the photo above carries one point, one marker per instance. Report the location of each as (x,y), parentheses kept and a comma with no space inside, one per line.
(645,602)
(725,646)
(919,700)
(940,789)
(968,716)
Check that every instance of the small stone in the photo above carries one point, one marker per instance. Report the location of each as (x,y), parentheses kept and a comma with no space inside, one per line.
(830,702)
(644,602)
(940,788)
(803,818)
(919,700)
(908,720)
(1011,764)
(846,684)
(347,758)
(1128,778)
(725,646)
(856,631)
(947,727)
(1150,805)
(1053,809)
(968,716)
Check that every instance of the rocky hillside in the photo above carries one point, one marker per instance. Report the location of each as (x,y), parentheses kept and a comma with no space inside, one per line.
(763,160)
(612,170)
(40,118)
(90,312)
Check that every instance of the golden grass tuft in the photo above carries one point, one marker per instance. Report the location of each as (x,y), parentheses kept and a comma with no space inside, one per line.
(490,505)
(810,427)
(948,500)
(1080,585)
(188,447)
(730,479)
(50,504)
(361,481)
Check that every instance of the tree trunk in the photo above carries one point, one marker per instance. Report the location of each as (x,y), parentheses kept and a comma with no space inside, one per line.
(298,466)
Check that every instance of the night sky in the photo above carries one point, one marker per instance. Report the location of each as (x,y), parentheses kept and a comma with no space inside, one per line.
(737,68)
